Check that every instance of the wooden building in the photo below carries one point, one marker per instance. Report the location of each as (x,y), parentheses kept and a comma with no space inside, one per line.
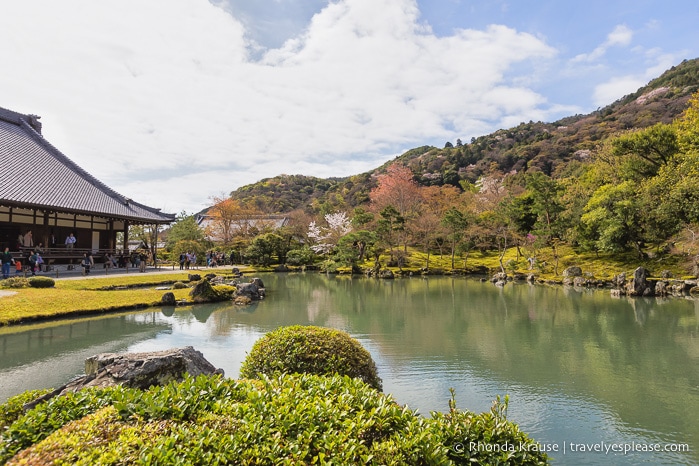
(44,192)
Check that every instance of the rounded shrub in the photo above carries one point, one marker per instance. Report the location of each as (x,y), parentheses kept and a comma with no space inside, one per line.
(311,350)
(42,282)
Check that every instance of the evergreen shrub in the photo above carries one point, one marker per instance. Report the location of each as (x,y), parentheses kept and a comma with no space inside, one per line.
(287,419)
(41,282)
(311,350)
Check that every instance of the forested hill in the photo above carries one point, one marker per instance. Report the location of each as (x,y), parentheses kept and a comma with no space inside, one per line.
(547,147)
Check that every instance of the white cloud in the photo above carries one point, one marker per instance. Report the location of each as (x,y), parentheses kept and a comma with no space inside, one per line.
(616,88)
(162,101)
(621,36)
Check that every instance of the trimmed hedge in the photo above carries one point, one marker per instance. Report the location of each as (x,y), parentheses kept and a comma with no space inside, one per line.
(311,350)
(289,419)
(41,282)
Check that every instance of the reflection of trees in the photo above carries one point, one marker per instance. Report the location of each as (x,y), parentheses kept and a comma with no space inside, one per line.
(630,354)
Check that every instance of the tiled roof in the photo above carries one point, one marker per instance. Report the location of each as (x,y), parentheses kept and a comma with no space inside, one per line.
(33,173)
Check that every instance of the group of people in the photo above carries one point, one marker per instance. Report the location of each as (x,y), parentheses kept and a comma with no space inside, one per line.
(187,260)
(33,258)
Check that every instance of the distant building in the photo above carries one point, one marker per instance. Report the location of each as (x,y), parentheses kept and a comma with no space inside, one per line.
(43,191)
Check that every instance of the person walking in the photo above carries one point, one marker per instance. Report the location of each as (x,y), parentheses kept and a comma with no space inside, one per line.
(6,259)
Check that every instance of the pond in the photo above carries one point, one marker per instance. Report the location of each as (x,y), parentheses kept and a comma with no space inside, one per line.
(583,371)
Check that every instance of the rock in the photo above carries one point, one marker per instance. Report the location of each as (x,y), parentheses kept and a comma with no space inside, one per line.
(242,300)
(619,280)
(572,272)
(258,282)
(136,370)
(531,278)
(203,292)
(249,290)
(386,273)
(666,274)
(567,281)
(639,284)
(661,288)
(694,291)
(194,277)
(499,277)
(168,299)
(209,276)
(579,281)
(281,268)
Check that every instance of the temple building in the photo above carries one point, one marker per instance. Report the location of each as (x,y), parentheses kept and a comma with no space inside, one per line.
(45,197)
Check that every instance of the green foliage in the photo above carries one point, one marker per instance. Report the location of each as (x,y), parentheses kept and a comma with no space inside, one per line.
(14,282)
(264,247)
(643,152)
(288,419)
(185,228)
(47,417)
(179,286)
(12,409)
(312,350)
(487,438)
(41,282)
(302,256)
(224,291)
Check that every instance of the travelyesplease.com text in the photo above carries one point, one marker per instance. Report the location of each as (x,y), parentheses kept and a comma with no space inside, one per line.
(572,447)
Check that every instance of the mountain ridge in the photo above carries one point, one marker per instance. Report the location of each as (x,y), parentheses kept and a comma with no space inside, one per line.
(532,146)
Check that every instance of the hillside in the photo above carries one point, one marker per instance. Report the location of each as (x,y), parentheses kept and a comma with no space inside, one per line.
(548,147)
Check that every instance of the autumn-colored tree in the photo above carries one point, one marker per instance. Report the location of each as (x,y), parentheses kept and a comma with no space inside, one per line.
(426,227)
(397,189)
(228,217)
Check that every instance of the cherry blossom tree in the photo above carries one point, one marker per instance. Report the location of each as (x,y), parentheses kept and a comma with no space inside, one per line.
(326,237)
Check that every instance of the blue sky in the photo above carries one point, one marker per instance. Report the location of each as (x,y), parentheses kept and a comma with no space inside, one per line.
(171,102)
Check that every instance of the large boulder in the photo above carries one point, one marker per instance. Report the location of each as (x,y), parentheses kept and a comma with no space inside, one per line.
(137,370)
(640,286)
(204,292)
(573,272)
(250,291)
(168,299)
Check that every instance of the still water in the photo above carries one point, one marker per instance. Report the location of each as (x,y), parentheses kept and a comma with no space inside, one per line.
(582,370)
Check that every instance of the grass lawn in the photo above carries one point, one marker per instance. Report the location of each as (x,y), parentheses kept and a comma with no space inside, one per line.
(83,296)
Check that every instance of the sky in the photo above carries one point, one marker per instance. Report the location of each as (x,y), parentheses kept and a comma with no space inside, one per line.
(175,102)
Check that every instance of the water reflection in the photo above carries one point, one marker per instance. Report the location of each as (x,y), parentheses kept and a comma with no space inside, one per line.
(578,365)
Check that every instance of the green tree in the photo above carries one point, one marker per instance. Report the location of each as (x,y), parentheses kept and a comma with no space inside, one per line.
(263,247)
(389,223)
(612,218)
(455,222)
(640,154)
(545,193)
(185,228)
(353,248)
